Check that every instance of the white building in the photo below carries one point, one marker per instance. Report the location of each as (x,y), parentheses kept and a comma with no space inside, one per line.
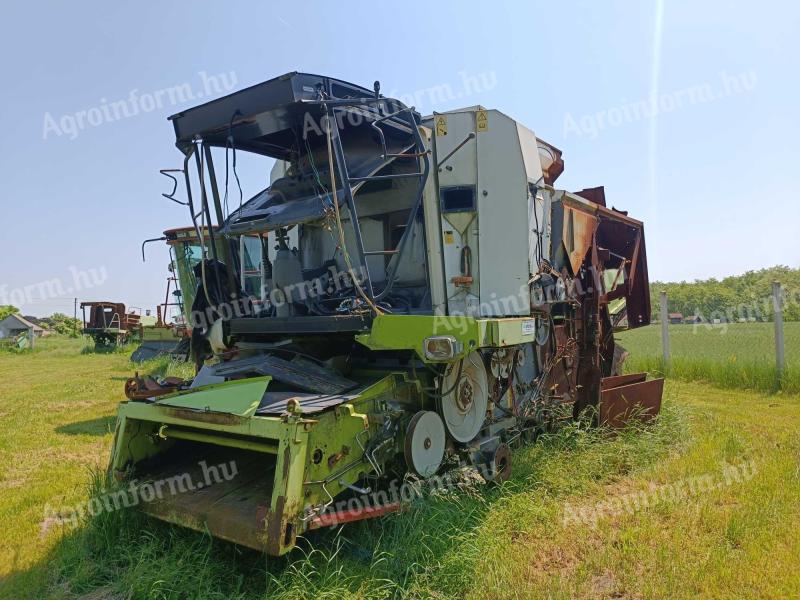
(14,324)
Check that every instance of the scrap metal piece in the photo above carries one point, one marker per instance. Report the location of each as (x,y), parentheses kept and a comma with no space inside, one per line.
(626,397)
(141,388)
(301,373)
(275,403)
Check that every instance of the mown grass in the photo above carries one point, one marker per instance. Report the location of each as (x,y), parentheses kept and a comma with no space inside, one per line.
(733,356)
(513,541)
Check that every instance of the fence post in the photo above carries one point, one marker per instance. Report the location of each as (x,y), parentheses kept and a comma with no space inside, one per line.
(777,302)
(664,329)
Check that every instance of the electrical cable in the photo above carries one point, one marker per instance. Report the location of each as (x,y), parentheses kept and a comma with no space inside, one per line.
(345,254)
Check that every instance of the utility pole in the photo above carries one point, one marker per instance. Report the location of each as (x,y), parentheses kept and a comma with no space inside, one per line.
(75,309)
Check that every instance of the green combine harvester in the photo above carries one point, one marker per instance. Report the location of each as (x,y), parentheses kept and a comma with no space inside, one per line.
(169,333)
(409,294)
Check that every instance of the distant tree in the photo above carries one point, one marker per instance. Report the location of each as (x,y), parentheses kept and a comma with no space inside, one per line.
(65,325)
(7,309)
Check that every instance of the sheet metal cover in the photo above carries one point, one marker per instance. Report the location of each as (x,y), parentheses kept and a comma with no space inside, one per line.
(241,397)
(641,400)
(301,373)
(274,403)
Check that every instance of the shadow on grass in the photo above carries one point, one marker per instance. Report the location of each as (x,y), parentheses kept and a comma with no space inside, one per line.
(99,426)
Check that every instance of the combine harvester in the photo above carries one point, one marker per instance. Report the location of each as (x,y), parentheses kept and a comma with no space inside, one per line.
(171,331)
(109,324)
(429,299)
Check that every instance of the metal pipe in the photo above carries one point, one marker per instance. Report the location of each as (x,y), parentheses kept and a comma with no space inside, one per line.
(189,199)
(166,432)
(456,149)
(780,361)
(226,251)
(204,207)
(664,329)
(338,151)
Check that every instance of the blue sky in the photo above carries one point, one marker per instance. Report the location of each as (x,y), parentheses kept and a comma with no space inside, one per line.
(713,171)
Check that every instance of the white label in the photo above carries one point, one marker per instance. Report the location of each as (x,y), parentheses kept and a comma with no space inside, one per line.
(529,327)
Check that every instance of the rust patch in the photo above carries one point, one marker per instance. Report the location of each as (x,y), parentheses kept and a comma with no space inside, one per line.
(275,522)
(335,458)
(287,456)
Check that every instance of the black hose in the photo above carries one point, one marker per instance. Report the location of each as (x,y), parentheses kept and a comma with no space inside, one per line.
(436,395)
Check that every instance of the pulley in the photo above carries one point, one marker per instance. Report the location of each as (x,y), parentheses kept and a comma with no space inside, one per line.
(424,443)
(464,406)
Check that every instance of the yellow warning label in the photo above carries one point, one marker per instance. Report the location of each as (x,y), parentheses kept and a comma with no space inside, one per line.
(441,125)
(448,237)
(482,121)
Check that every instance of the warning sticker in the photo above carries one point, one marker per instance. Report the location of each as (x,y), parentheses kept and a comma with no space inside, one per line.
(448,237)
(482,121)
(529,327)
(441,125)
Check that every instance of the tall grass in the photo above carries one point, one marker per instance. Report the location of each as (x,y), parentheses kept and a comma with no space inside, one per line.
(433,549)
(732,356)
(729,374)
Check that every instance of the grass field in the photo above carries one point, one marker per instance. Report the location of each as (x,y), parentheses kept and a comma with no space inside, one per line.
(563,526)
(735,355)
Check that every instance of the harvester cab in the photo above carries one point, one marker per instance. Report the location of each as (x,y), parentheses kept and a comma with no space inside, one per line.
(427,298)
(170,334)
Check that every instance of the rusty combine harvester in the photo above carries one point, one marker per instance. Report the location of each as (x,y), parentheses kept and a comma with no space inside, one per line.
(427,298)
(109,323)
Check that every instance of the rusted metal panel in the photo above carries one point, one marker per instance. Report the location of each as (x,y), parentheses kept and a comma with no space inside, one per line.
(621,403)
(619,380)
(595,194)
(350,515)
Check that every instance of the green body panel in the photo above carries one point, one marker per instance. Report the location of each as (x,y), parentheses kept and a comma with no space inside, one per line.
(239,398)
(158,334)
(408,332)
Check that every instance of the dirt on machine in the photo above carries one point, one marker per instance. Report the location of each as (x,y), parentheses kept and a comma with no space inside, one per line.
(405,294)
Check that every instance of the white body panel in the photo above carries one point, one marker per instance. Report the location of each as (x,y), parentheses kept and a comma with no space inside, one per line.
(505,227)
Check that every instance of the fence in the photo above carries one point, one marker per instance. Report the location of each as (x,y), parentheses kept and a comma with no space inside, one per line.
(780,357)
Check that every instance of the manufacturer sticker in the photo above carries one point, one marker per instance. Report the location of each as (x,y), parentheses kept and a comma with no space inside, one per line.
(529,327)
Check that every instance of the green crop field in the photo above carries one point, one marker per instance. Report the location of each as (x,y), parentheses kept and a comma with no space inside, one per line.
(704,503)
(735,355)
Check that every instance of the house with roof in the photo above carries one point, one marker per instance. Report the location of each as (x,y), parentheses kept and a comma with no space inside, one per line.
(15,324)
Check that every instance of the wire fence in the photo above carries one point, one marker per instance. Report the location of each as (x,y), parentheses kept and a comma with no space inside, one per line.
(761,352)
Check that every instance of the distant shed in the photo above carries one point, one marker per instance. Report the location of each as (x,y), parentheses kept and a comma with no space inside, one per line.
(14,324)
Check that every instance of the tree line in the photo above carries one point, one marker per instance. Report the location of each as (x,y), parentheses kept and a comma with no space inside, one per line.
(747,296)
